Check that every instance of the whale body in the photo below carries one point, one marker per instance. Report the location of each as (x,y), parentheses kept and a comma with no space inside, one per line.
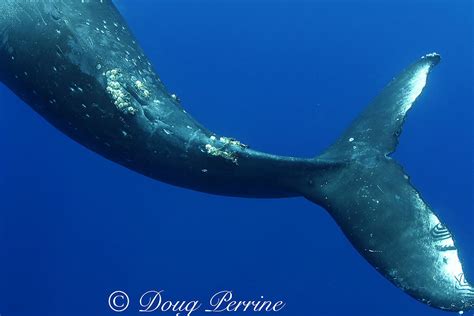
(77,64)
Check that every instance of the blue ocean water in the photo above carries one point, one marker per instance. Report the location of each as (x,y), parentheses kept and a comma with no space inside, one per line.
(285,77)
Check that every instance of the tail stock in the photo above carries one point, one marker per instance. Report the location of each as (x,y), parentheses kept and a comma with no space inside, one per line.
(381,213)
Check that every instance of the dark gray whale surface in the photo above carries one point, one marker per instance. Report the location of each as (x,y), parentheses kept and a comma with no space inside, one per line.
(76,63)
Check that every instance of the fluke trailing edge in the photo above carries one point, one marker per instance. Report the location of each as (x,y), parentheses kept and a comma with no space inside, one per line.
(77,64)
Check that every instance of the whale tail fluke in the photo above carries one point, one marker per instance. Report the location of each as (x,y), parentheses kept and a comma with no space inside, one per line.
(379,210)
(379,126)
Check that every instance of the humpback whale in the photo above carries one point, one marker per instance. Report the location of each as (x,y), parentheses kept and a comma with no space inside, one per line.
(77,64)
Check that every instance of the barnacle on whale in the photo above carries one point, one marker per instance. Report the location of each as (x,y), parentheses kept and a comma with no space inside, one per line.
(116,89)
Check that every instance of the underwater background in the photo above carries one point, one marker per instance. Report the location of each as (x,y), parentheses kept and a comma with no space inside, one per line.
(286,77)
